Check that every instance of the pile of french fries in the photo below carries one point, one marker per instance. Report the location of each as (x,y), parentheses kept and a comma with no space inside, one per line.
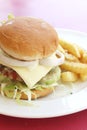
(75,65)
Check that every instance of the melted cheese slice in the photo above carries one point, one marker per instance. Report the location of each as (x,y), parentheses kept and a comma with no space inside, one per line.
(30,75)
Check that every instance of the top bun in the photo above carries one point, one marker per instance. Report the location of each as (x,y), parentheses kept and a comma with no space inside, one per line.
(28,38)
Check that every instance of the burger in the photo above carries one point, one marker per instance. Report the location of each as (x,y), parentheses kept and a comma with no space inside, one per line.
(29,58)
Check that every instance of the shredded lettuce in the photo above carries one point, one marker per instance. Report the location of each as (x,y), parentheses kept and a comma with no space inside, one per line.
(52,77)
(9,90)
(14,89)
(10,17)
(4,79)
(2,87)
(39,87)
(24,103)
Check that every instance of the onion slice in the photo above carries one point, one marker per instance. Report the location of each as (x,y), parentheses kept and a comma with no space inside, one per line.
(53,60)
(13,62)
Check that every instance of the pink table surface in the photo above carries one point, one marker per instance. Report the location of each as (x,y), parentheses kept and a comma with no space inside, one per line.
(71,14)
(76,121)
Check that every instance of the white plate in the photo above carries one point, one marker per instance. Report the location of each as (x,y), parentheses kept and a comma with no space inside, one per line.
(59,103)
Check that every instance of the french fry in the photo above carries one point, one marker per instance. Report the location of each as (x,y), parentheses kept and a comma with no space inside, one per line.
(76,67)
(83,77)
(71,57)
(72,48)
(60,48)
(81,50)
(69,76)
(84,57)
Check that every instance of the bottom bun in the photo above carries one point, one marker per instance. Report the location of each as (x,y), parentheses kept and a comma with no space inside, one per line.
(34,93)
(38,93)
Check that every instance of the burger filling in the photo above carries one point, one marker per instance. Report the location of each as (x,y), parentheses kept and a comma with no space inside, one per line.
(11,84)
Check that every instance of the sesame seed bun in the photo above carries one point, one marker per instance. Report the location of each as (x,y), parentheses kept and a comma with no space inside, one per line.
(28,38)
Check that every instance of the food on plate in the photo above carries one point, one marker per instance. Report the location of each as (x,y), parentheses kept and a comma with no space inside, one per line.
(71,57)
(72,48)
(84,57)
(75,67)
(83,77)
(34,61)
(81,50)
(29,58)
(60,48)
(69,76)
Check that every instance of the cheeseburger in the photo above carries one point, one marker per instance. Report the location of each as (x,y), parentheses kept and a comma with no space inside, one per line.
(29,59)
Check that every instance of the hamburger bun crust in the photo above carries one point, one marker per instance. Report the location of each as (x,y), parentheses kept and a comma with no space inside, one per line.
(28,38)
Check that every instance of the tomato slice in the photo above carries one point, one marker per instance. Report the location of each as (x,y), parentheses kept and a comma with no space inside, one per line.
(10,73)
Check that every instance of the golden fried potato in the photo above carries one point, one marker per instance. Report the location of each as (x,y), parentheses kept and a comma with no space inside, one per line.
(83,77)
(72,48)
(60,48)
(71,57)
(81,50)
(76,67)
(84,57)
(69,76)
